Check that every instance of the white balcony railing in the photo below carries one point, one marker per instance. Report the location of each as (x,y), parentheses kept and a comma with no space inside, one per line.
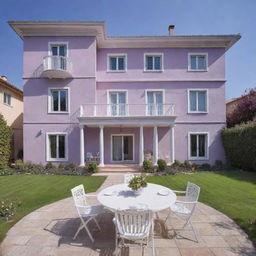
(57,67)
(126,110)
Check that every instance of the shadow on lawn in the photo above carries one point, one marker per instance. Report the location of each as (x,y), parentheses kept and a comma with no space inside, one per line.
(239,175)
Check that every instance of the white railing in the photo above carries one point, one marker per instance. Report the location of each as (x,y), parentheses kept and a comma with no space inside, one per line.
(123,110)
(57,63)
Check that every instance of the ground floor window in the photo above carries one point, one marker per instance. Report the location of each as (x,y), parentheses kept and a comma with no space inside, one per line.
(198,146)
(122,148)
(56,147)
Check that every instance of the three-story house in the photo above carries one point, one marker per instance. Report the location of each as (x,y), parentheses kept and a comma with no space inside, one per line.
(87,94)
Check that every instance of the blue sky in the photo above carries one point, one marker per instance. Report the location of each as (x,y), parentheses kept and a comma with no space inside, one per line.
(143,17)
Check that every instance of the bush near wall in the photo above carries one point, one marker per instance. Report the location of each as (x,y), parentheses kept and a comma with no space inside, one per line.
(5,143)
(240,145)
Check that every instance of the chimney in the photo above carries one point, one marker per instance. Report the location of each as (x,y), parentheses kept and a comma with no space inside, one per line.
(171,30)
(3,78)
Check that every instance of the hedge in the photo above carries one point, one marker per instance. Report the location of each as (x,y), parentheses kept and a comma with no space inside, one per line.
(5,142)
(240,145)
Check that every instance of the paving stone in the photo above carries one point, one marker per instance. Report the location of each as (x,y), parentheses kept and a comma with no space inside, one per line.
(196,252)
(238,241)
(215,241)
(168,252)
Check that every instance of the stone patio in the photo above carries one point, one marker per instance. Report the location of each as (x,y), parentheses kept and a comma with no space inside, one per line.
(48,231)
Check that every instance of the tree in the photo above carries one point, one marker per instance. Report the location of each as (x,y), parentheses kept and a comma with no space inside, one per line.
(245,110)
(5,142)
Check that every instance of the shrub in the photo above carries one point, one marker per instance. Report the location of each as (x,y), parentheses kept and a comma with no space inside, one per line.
(5,143)
(20,165)
(240,145)
(8,208)
(187,164)
(5,172)
(49,165)
(205,166)
(137,182)
(148,166)
(161,165)
(176,163)
(218,164)
(92,167)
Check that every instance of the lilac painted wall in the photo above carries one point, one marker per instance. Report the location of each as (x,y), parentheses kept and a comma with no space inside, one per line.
(90,84)
(175,65)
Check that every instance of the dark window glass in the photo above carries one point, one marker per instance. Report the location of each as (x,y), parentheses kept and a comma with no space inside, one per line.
(112,63)
(193,62)
(54,50)
(149,63)
(201,101)
(53,146)
(55,100)
(121,63)
(192,99)
(7,98)
(61,146)
(201,62)
(63,100)
(202,146)
(157,63)
(63,50)
(193,145)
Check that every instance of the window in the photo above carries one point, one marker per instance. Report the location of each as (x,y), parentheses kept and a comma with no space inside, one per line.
(58,100)
(198,61)
(7,99)
(58,49)
(197,101)
(117,103)
(117,62)
(153,62)
(155,103)
(56,147)
(198,146)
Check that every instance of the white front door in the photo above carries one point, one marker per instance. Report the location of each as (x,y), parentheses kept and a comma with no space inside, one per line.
(122,148)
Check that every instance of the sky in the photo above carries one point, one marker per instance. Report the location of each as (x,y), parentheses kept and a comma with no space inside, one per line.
(143,17)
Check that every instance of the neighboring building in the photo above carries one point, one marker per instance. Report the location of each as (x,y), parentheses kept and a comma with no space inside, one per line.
(11,107)
(116,97)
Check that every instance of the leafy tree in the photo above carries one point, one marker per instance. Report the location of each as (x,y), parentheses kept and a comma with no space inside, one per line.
(245,110)
(5,142)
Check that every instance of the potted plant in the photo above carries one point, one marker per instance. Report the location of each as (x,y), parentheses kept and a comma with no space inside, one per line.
(137,184)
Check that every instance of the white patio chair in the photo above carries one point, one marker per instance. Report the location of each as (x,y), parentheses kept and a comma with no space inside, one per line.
(134,225)
(128,177)
(185,207)
(89,156)
(85,212)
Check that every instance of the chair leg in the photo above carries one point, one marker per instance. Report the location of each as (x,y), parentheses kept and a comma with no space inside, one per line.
(97,224)
(89,234)
(194,231)
(167,216)
(78,230)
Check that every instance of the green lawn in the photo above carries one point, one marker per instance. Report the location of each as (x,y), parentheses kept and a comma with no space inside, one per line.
(231,192)
(37,190)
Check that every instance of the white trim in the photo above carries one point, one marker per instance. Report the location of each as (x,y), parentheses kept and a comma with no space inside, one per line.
(109,55)
(207,146)
(133,147)
(146,98)
(188,100)
(154,54)
(197,54)
(48,159)
(56,43)
(50,111)
(109,91)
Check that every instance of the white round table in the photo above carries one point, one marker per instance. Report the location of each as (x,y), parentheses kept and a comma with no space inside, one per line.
(120,197)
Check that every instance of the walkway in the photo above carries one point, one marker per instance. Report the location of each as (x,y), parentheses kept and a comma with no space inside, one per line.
(48,231)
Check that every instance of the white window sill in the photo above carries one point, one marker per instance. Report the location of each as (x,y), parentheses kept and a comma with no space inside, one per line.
(58,112)
(198,70)
(116,71)
(198,158)
(198,112)
(57,160)
(8,105)
(153,71)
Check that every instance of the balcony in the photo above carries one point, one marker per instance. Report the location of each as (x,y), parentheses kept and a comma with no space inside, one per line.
(57,67)
(126,110)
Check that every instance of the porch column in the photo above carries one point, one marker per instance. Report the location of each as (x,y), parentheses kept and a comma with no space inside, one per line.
(101,146)
(171,144)
(81,145)
(155,145)
(141,146)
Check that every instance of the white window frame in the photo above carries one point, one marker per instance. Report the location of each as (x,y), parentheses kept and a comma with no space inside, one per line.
(152,54)
(207,146)
(146,98)
(109,102)
(5,103)
(50,110)
(50,44)
(133,147)
(207,101)
(116,55)
(197,54)
(48,158)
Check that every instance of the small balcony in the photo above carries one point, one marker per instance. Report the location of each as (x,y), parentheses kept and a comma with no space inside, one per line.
(57,67)
(126,110)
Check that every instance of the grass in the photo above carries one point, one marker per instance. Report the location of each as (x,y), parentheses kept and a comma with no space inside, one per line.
(36,191)
(231,192)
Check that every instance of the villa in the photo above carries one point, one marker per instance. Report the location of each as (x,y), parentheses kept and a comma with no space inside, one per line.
(121,99)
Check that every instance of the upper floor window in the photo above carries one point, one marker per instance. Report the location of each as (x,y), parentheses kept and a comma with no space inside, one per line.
(58,49)
(153,62)
(197,61)
(7,99)
(198,146)
(56,146)
(117,63)
(58,100)
(197,101)
(117,103)
(155,101)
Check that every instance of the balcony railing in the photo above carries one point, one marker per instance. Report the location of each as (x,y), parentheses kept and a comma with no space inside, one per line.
(57,67)
(126,110)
